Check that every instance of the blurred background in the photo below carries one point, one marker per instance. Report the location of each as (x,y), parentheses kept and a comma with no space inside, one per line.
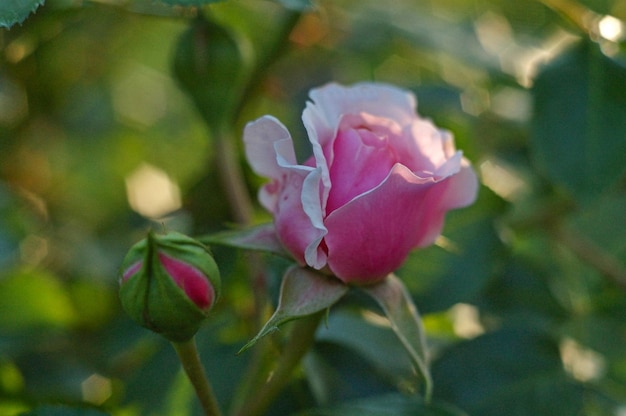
(523,298)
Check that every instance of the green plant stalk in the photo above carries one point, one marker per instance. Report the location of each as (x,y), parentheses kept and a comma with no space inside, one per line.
(234,186)
(233,183)
(190,360)
(589,252)
(279,47)
(231,176)
(300,340)
(226,155)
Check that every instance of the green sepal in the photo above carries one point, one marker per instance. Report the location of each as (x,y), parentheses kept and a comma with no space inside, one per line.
(303,292)
(153,299)
(395,301)
(259,237)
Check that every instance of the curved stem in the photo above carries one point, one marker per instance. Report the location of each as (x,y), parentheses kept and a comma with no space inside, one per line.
(300,339)
(189,358)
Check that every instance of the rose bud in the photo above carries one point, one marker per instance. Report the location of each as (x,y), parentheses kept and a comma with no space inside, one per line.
(378,184)
(168,284)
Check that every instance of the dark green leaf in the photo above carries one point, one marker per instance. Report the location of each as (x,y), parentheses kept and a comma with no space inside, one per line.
(521,292)
(388,405)
(16,11)
(337,373)
(158,367)
(405,321)
(302,293)
(17,220)
(190,2)
(602,334)
(372,341)
(459,268)
(513,369)
(63,411)
(579,129)
(597,222)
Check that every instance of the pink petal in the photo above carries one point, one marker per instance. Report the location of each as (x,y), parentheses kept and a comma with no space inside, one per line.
(330,103)
(268,145)
(134,268)
(261,138)
(298,217)
(293,196)
(190,279)
(319,131)
(428,148)
(462,189)
(333,101)
(366,160)
(371,236)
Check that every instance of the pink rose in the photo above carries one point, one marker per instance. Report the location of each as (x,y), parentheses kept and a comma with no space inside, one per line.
(377,186)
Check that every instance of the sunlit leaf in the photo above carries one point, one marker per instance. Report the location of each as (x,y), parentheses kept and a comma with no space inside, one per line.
(302,293)
(16,11)
(34,299)
(398,306)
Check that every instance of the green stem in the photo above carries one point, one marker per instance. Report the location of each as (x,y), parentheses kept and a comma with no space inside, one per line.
(278,48)
(300,339)
(231,176)
(592,254)
(189,358)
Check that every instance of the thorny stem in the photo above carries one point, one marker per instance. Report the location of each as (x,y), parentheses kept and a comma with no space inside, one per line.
(189,358)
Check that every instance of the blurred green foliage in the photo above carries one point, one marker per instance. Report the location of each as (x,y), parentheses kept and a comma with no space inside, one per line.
(524,299)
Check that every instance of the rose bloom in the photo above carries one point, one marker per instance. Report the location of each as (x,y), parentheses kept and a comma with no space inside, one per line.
(378,184)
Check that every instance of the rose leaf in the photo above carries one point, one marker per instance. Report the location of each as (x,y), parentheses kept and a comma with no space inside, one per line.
(16,11)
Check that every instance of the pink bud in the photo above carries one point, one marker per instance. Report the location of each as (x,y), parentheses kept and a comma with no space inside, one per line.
(168,284)
(190,279)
